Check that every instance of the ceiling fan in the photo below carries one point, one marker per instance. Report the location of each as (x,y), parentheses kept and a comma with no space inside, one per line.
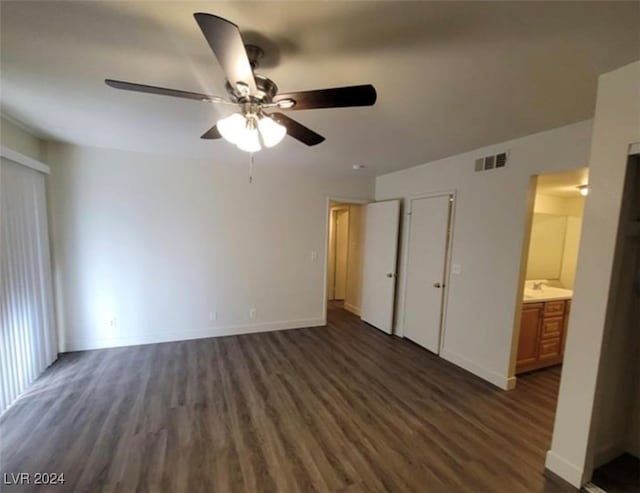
(256,96)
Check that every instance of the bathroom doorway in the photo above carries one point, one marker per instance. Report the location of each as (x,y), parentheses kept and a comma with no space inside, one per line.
(548,267)
(344,260)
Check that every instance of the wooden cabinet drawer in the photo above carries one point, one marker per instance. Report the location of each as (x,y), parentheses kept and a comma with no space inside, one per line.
(550,348)
(552,327)
(554,308)
(543,329)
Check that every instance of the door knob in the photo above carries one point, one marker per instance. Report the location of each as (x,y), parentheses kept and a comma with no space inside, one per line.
(437,285)
(390,274)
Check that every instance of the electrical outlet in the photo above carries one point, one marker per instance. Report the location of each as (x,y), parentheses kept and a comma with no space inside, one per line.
(314,255)
(252,313)
(213,316)
(456,269)
(112,323)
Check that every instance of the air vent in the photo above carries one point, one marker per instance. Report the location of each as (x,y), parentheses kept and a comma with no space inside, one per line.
(491,162)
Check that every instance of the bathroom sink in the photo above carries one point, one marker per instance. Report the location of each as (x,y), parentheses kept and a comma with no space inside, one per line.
(547,293)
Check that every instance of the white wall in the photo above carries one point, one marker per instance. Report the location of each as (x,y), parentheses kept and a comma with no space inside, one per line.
(616,125)
(17,138)
(158,243)
(488,235)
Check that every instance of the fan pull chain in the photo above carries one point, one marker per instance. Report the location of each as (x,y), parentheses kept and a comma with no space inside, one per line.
(250,168)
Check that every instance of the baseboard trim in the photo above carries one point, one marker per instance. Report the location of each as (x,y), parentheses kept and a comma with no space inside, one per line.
(352,308)
(564,469)
(501,381)
(80,344)
(562,484)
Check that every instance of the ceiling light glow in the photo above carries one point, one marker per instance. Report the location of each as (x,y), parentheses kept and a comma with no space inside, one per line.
(232,127)
(248,131)
(271,131)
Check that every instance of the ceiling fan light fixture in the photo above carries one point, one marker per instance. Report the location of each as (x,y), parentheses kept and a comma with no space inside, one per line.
(250,140)
(232,127)
(271,131)
(253,93)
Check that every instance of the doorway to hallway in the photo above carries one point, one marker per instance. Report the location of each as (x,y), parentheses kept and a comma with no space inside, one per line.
(344,262)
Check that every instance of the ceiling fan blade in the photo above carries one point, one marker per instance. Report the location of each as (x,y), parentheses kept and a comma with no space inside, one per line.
(163,91)
(297,130)
(225,41)
(337,97)
(212,133)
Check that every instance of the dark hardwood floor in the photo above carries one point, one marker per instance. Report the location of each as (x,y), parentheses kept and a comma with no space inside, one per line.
(344,408)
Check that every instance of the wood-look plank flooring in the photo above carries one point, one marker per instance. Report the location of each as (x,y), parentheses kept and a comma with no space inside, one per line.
(341,408)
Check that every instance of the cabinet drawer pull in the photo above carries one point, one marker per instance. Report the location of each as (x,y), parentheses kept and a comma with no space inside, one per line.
(554,308)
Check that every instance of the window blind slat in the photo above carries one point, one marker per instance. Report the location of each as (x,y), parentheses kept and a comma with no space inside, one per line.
(27,332)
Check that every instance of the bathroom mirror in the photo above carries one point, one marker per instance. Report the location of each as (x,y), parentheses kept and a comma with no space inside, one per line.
(546,246)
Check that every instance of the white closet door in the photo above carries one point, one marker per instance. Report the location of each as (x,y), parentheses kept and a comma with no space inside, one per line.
(426,261)
(27,331)
(380,258)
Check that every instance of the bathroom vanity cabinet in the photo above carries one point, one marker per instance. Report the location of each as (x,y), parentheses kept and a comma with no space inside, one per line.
(543,329)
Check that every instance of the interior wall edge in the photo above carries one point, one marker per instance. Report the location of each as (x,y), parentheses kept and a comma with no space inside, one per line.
(615,127)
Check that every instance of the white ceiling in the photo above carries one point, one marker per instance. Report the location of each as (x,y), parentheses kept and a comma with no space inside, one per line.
(451,76)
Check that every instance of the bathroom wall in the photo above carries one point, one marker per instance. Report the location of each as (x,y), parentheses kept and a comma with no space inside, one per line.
(555,238)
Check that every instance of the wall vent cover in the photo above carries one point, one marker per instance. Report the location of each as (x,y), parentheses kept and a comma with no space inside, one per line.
(491,162)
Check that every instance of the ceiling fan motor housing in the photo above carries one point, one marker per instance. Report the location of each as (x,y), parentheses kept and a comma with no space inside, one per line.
(254,54)
(267,89)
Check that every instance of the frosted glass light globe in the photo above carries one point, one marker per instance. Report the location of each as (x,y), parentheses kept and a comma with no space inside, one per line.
(249,140)
(232,127)
(271,131)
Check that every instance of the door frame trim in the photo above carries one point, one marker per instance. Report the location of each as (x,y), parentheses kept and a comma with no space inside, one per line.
(452,193)
(327,212)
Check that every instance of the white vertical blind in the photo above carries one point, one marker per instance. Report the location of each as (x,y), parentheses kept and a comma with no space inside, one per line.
(27,331)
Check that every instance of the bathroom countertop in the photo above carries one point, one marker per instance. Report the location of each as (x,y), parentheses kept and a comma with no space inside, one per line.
(547,293)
